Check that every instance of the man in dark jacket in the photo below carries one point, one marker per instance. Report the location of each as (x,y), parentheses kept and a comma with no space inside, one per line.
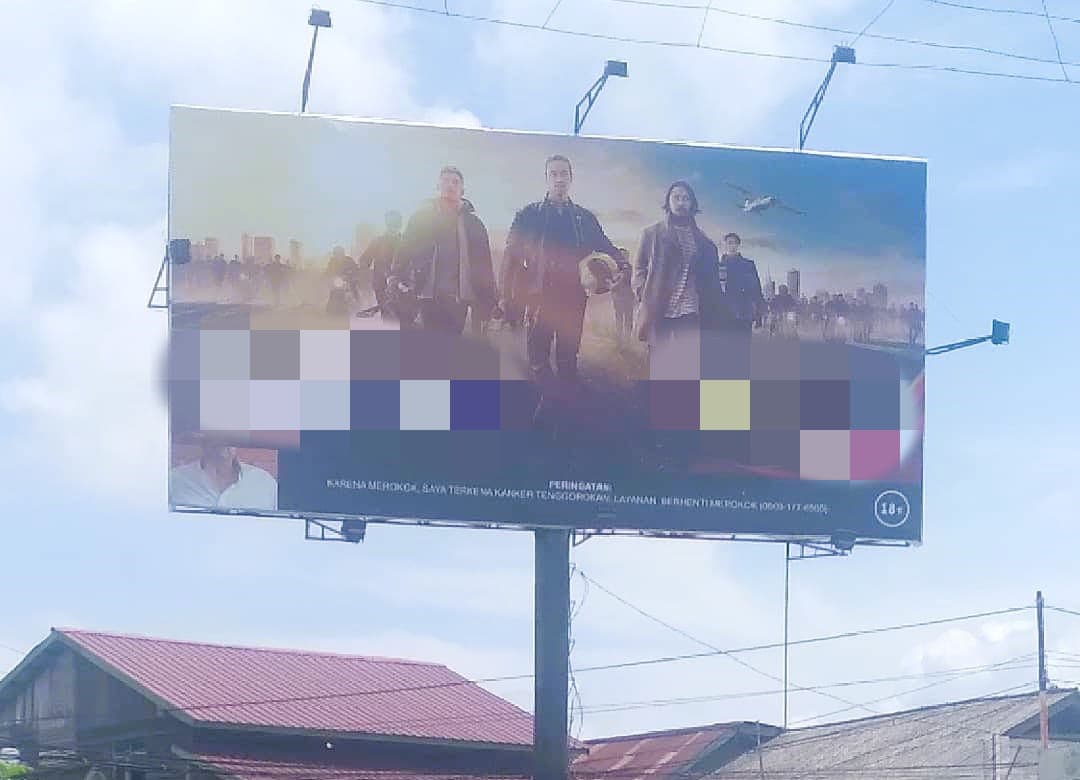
(445,258)
(379,257)
(547,241)
(740,288)
(676,272)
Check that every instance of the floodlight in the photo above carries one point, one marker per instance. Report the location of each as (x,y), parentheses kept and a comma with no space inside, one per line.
(844,541)
(616,68)
(319,18)
(180,251)
(353,530)
(845,54)
(999,333)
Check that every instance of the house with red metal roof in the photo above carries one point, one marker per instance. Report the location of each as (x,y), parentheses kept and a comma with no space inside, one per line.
(85,705)
(665,755)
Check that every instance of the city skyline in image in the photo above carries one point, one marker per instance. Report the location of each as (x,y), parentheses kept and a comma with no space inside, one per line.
(255,174)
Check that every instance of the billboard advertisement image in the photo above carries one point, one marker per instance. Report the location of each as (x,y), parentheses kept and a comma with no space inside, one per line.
(383,320)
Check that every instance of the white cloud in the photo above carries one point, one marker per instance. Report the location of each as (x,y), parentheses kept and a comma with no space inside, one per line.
(989,643)
(83,194)
(90,405)
(998,632)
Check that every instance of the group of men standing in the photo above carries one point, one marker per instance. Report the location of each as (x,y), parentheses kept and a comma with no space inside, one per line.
(679,281)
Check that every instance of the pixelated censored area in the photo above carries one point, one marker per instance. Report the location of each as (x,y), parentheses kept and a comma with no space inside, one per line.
(858,418)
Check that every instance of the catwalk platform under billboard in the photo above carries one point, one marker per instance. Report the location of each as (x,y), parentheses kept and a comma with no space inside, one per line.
(384,320)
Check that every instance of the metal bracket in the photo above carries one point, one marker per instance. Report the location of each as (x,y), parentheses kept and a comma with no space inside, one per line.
(351,530)
(840,54)
(587,101)
(161,285)
(810,550)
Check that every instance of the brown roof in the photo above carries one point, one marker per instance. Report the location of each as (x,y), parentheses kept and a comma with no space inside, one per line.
(657,754)
(224,685)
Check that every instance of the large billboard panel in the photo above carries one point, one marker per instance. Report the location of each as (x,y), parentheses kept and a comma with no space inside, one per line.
(386,320)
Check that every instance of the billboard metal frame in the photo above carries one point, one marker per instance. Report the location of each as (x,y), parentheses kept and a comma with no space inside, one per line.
(327,523)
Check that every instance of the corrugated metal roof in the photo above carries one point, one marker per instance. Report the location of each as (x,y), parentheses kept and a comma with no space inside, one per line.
(241,766)
(323,692)
(955,740)
(659,754)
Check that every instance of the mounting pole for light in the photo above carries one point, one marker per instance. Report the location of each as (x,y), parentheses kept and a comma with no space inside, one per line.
(841,54)
(318,18)
(615,68)
(999,334)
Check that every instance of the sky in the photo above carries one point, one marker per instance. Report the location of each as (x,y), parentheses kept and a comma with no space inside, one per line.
(286,177)
(86,540)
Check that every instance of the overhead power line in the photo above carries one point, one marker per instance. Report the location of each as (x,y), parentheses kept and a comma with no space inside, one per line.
(709,645)
(973,723)
(867,706)
(826,731)
(948,728)
(632,664)
(873,21)
(817,734)
(551,13)
(992,10)
(1004,666)
(502,716)
(1053,34)
(864,33)
(704,21)
(718,49)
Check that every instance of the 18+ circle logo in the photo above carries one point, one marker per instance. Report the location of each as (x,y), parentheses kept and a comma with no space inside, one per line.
(892,509)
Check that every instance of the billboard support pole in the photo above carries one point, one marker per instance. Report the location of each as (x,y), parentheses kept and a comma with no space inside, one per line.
(551,649)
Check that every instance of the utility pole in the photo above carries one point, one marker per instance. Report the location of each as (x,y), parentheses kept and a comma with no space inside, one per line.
(1044,714)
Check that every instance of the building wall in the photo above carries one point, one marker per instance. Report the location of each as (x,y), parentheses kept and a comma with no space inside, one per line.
(69,705)
(42,711)
(276,746)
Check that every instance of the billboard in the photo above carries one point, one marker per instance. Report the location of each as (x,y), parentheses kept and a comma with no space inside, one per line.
(402,321)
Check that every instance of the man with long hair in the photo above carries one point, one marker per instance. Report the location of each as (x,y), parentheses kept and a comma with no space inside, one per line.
(676,272)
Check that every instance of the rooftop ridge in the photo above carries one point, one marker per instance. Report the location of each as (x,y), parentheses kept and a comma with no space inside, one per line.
(672,732)
(75,633)
(929,707)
